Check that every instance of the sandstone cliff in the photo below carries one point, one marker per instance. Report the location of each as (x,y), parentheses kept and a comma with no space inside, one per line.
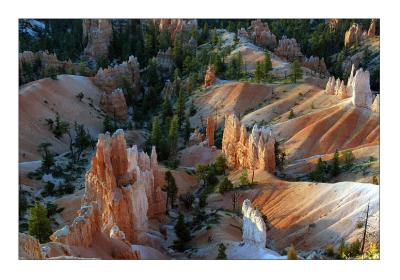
(243,150)
(254,228)
(122,191)
(97,33)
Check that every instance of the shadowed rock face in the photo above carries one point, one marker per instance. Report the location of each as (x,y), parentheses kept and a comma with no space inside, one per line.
(98,33)
(115,104)
(210,130)
(254,229)
(122,192)
(243,150)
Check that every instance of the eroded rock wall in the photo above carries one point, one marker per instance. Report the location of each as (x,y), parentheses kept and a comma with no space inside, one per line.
(289,49)
(244,150)
(122,191)
(98,34)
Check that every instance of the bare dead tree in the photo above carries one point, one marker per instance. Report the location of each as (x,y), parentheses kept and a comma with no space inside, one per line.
(365,230)
(235,196)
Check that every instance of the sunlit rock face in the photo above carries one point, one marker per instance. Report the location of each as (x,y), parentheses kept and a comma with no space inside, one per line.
(376,104)
(122,191)
(259,33)
(244,150)
(209,78)
(353,35)
(361,91)
(98,34)
(254,228)
(28,247)
(372,28)
(288,49)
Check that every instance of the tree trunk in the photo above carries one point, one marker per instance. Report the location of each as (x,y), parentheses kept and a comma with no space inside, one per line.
(252,178)
(365,230)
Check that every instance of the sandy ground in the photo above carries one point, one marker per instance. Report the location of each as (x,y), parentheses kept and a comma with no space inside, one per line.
(198,154)
(41,99)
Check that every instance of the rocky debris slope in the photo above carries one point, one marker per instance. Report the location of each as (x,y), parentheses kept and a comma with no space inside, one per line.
(209,78)
(288,49)
(115,104)
(29,248)
(122,192)
(98,34)
(243,150)
(254,229)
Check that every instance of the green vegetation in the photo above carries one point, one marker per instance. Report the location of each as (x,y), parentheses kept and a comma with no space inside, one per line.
(225,185)
(183,233)
(170,188)
(244,178)
(221,252)
(187,200)
(295,71)
(39,223)
(280,156)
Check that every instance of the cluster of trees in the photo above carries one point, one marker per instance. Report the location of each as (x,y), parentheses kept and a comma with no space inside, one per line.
(323,171)
(263,68)
(280,156)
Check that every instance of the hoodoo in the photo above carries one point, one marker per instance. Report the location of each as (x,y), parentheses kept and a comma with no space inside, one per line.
(254,229)
(243,150)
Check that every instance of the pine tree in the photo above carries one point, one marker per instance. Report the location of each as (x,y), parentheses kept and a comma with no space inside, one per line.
(267,64)
(221,252)
(225,185)
(47,156)
(258,74)
(39,223)
(335,168)
(170,188)
(155,135)
(295,71)
(180,107)
(187,130)
(220,164)
(167,110)
(107,125)
(173,135)
(244,178)
(182,232)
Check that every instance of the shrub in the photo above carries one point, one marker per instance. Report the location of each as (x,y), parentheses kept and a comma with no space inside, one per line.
(182,232)
(220,164)
(49,188)
(292,255)
(203,201)
(375,180)
(221,252)
(225,185)
(244,178)
(348,159)
(354,249)
(187,199)
(329,251)
(80,96)
(291,114)
(342,250)
(51,209)
(360,224)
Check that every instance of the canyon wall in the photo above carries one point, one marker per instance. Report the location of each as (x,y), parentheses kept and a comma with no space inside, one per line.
(254,228)
(98,34)
(122,191)
(242,150)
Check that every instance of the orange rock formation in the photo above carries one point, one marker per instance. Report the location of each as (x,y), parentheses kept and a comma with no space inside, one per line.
(209,78)
(98,33)
(254,151)
(115,104)
(122,192)
(210,130)
(288,48)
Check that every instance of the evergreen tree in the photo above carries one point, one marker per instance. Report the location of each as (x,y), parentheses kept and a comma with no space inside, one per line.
(221,252)
(335,168)
(220,164)
(170,188)
(225,185)
(244,178)
(107,125)
(295,71)
(258,74)
(82,141)
(167,110)
(187,130)
(47,156)
(39,223)
(267,64)
(180,108)
(205,32)
(182,232)
(155,135)
(173,135)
